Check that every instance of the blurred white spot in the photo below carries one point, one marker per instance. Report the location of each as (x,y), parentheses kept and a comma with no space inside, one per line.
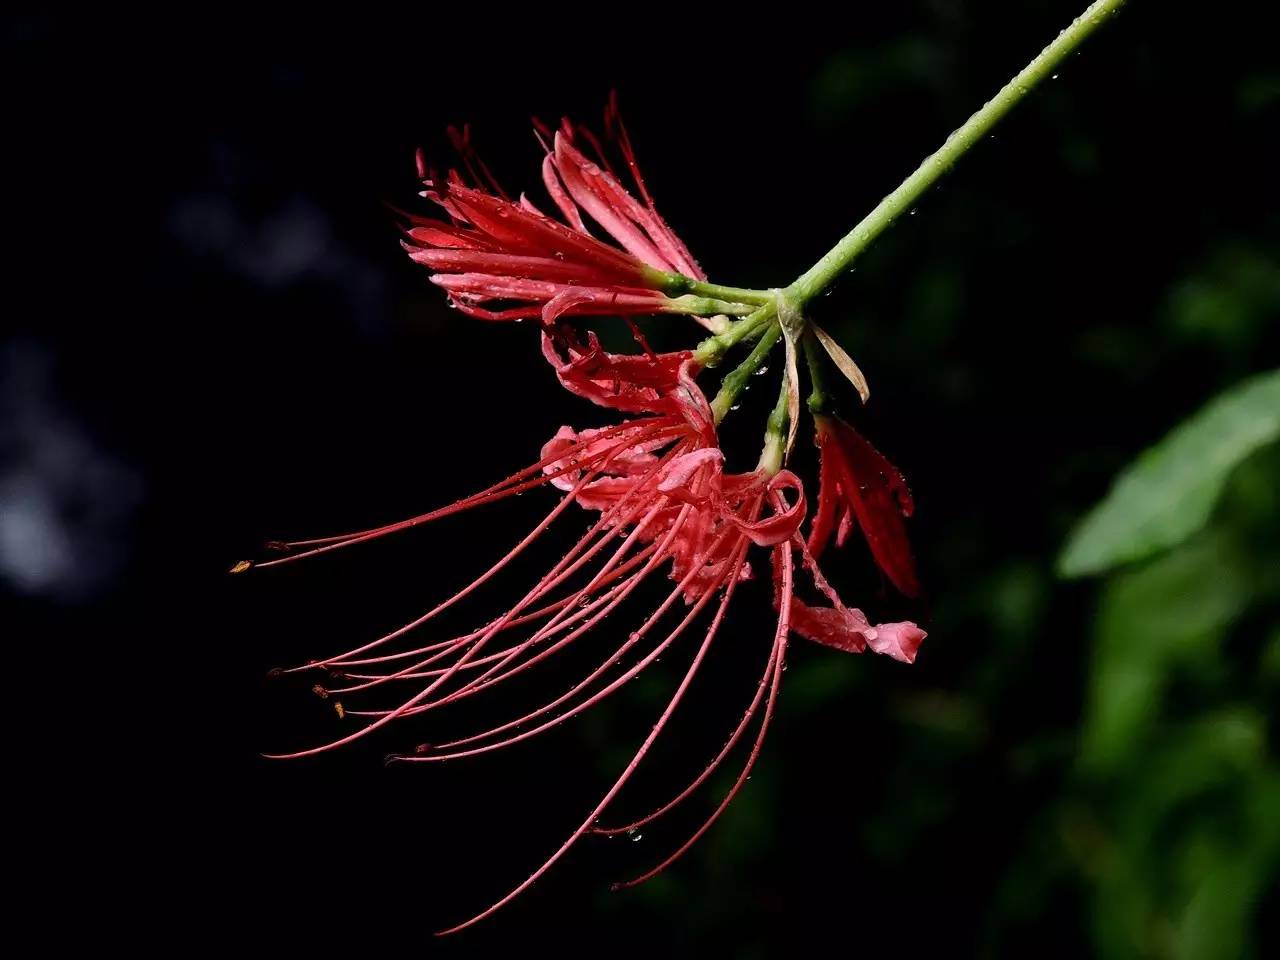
(292,245)
(66,504)
(35,553)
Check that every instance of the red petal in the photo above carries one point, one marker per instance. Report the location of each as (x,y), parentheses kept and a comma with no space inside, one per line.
(878,495)
(596,192)
(780,527)
(828,492)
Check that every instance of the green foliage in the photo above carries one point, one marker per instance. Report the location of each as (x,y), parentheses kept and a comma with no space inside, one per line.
(1175,787)
(1170,491)
(1229,303)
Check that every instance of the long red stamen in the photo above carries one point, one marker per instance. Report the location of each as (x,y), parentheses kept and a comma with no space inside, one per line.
(438,649)
(513,485)
(606,691)
(780,646)
(488,679)
(466,656)
(631,767)
(688,791)
(613,658)
(541,527)
(478,169)
(711,768)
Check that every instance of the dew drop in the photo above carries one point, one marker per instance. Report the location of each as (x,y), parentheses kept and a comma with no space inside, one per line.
(634,835)
(762,371)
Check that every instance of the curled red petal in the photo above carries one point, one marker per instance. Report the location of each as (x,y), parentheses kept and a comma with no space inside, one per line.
(623,382)
(847,628)
(781,526)
(857,477)
(897,640)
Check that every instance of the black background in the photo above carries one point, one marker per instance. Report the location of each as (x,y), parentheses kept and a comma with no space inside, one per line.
(210,296)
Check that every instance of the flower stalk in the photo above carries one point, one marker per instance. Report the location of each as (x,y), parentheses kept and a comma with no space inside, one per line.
(737,379)
(666,502)
(775,433)
(839,258)
(674,284)
(819,400)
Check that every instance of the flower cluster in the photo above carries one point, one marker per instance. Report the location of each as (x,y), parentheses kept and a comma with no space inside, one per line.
(664,502)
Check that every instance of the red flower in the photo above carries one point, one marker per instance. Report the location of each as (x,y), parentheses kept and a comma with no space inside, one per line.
(505,260)
(664,501)
(857,481)
(647,383)
(657,481)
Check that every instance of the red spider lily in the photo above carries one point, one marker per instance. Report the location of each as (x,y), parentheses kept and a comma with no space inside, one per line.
(857,481)
(665,504)
(497,251)
(664,501)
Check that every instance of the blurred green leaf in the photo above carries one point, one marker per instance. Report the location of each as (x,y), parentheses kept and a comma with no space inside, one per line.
(1270,668)
(1229,302)
(1169,492)
(1151,618)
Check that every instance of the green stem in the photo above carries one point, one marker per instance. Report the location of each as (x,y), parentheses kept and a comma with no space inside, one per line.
(775,434)
(706,306)
(674,284)
(737,379)
(711,349)
(819,399)
(820,276)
